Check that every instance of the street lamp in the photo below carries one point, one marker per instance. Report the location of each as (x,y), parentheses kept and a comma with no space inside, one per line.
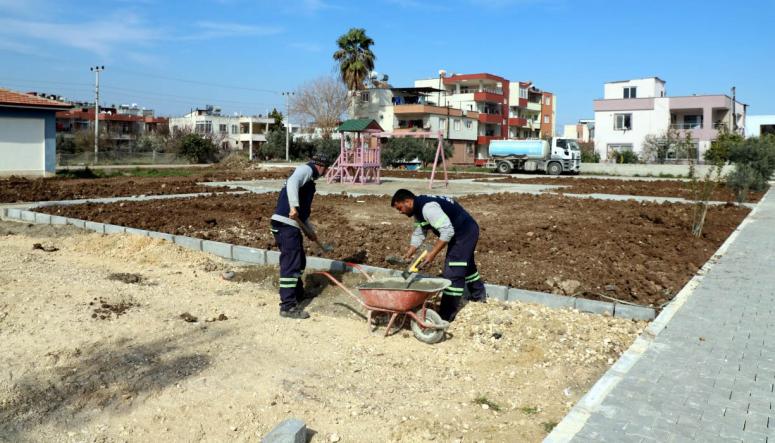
(287,95)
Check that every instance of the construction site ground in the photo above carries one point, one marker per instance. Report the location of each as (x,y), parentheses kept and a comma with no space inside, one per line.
(638,252)
(96,348)
(101,345)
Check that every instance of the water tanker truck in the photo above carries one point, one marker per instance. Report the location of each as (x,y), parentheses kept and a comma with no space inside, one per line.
(553,157)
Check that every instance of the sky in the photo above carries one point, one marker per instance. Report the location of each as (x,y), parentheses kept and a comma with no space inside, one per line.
(240,55)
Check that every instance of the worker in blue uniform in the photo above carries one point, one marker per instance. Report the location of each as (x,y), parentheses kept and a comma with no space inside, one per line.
(458,232)
(294,206)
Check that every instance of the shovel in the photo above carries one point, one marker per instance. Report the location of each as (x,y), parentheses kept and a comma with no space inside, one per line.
(411,273)
(308,232)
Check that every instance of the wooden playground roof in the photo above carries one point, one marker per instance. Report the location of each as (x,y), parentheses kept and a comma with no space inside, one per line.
(359,125)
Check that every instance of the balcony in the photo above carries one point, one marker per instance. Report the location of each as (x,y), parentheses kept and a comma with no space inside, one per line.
(517,121)
(486,139)
(488,97)
(686,126)
(534,106)
(495,119)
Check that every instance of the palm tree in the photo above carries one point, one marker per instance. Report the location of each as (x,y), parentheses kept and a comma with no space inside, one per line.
(356,61)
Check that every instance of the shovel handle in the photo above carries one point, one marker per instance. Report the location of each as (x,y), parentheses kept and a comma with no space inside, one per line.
(413,268)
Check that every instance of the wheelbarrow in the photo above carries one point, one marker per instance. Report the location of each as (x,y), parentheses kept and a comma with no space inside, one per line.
(393,297)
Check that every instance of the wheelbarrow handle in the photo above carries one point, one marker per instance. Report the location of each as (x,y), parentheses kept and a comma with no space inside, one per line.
(338,283)
(360,269)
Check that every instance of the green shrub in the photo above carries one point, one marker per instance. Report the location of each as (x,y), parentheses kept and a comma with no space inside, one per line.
(759,155)
(407,149)
(741,180)
(198,149)
(625,157)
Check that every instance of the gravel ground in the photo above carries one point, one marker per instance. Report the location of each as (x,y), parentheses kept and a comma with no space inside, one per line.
(95,349)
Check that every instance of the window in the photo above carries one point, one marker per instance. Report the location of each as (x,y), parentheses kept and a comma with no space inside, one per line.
(692,122)
(547,100)
(523,93)
(457,124)
(622,122)
(546,119)
(222,128)
(468,124)
(204,127)
(234,129)
(364,96)
(629,92)
(442,123)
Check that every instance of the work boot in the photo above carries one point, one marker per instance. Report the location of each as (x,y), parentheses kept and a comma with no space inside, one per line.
(294,312)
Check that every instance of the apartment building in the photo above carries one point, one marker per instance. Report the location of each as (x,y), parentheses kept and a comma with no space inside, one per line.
(228,131)
(469,109)
(630,110)
(583,131)
(119,125)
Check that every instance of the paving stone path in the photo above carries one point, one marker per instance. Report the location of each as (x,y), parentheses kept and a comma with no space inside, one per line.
(709,375)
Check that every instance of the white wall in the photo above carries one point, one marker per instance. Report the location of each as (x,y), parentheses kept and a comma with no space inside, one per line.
(644,122)
(647,87)
(753,124)
(22,145)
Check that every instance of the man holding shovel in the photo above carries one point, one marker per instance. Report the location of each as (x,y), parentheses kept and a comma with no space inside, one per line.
(289,221)
(457,231)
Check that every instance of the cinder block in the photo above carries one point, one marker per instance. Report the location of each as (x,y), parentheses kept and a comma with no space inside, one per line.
(319,263)
(272,257)
(540,298)
(77,223)
(28,216)
(634,312)
(248,255)
(497,292)
(291,430)
(594,306)
(161,235)
(217,248)
(135,231)
(58,220)
(43,219)
(114,229)
(14,213)
(96,227)
(188,242)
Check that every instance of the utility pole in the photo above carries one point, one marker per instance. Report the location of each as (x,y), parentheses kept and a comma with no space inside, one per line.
(287,95)
(96,70)
(734,117)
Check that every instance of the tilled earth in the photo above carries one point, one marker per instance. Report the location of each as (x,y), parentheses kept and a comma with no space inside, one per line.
(627,250)
(232,368)
(20,189)
(654,188)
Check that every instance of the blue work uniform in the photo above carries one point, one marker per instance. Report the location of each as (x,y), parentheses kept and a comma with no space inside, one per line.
(456,226)
(299,190)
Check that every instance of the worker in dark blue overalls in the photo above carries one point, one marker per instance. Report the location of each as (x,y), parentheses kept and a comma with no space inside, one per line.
(457,231)
(294,206)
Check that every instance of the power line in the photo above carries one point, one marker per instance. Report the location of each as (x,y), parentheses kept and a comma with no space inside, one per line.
(196,82)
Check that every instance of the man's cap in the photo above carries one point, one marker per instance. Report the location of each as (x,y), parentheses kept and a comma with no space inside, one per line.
(321,159)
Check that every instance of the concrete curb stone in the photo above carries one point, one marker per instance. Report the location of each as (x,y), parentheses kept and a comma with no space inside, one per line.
(58,220)
(94,226)
(161,235)
(594,306)
(188,242)
(27,216)
(114,229)
(291,430)
(248,255)
(218,248)
(135,231)
(42,219)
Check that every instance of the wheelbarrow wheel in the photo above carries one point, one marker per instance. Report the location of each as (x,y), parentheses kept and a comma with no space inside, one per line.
(429,335)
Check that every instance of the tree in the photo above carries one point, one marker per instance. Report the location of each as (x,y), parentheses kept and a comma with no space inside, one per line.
(323,100)
(720,147)
(277,116)
(669,144)
(355,58)
(407,149)
(275,145)
(198,149)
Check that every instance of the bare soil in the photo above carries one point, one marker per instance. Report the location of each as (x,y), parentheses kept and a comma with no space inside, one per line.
(633,251)
(653,188)
(20,189)
(505,373)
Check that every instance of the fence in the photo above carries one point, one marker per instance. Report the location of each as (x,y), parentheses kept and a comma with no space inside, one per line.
(120,158)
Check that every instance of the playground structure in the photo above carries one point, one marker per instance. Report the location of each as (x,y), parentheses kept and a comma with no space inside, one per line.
(360,153)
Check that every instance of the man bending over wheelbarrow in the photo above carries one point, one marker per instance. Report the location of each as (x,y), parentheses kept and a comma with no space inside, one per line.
(288,221)
(457,231)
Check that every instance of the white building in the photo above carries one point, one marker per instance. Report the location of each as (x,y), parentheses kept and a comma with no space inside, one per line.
(28,133)
(230,132)
(630,110)
(583,131)
(756,125)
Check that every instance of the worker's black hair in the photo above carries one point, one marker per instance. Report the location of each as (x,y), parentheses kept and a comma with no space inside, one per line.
(401,195)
